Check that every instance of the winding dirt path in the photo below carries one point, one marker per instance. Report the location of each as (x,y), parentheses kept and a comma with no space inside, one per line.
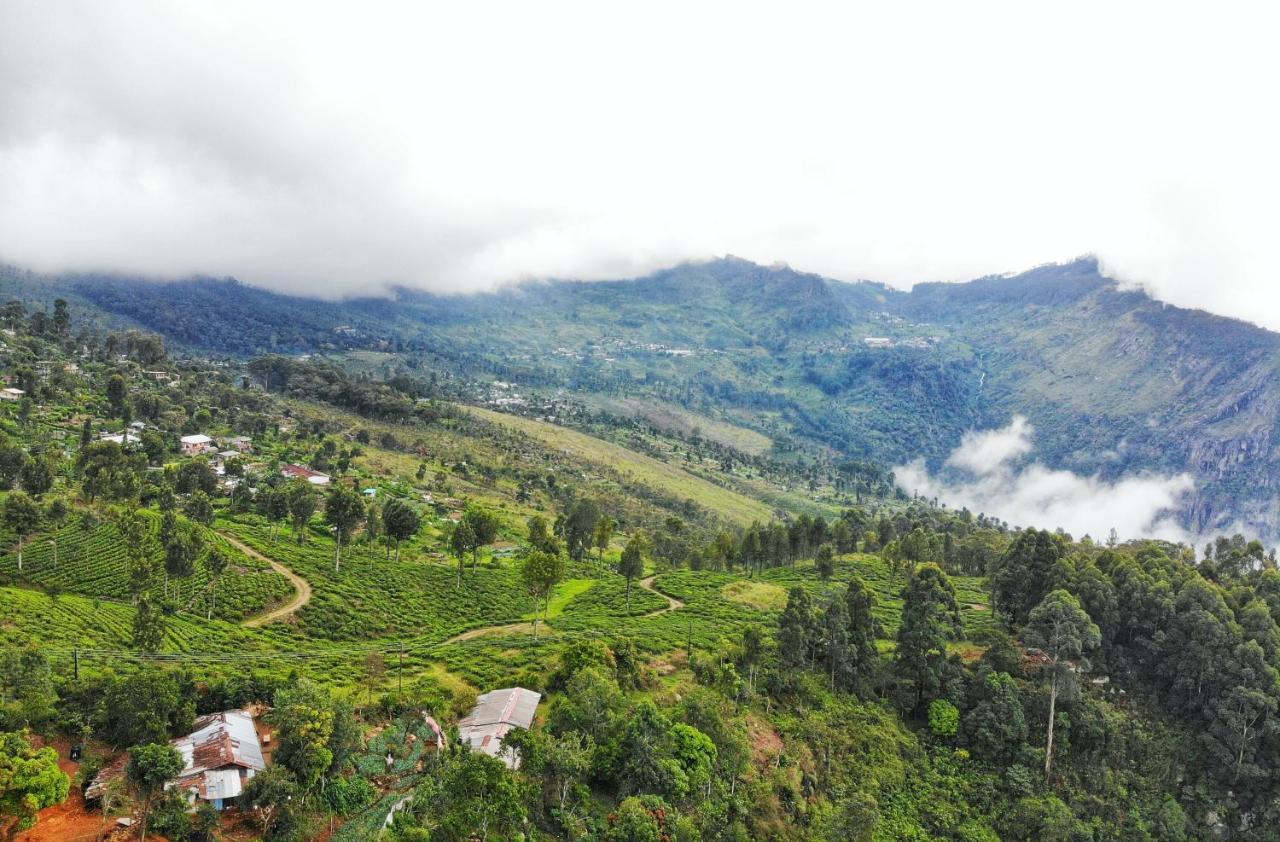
(507,628)
(527,627)
(672,602)
(301,587)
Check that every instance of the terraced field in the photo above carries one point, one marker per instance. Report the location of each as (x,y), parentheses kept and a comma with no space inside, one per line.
(372,597)
(71,620)
(715,606)
(301,587)
(709,619)
(971,591)
(90,560)
(415,607)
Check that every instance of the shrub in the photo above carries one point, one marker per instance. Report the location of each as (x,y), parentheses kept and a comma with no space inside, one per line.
(170,818)
(346,796)
(1046,818)
(580,655)
(944,719)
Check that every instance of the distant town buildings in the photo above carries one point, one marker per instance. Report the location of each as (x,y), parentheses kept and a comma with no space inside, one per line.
(919,343)
(504,394)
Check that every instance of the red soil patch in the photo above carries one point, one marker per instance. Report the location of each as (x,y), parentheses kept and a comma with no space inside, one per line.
(766,743)
(668,664)
(68,821)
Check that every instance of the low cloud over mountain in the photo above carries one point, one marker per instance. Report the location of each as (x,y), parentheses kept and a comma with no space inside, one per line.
(987,473)
(316,151)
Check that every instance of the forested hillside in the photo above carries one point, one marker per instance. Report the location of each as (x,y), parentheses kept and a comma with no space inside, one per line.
(733,635)
(1113,382)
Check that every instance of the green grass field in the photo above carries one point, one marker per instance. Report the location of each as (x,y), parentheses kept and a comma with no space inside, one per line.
(565,594)
(731,505)
(668,416)
(762,596)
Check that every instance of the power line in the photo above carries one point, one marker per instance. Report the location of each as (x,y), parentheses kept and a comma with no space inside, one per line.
(389,648)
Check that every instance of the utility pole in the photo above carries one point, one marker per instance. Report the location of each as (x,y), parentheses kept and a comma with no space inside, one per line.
(400,673)
(76,654)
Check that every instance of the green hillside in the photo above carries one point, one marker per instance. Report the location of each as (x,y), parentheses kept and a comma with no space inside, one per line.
(90,560)
(734,507)
(1114,382)
(731,639)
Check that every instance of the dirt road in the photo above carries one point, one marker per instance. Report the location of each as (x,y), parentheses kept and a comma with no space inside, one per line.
(301,587)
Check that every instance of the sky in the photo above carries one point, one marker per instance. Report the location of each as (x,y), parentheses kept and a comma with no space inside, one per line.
(318,149)
(993,472)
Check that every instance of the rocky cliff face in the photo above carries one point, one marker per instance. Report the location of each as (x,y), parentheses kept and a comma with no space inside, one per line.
(1117,382)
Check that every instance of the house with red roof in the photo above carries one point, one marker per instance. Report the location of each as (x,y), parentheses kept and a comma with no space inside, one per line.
(300,472)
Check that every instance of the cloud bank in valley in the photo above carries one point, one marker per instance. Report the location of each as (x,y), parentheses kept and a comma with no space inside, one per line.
(314,148)
(991,476)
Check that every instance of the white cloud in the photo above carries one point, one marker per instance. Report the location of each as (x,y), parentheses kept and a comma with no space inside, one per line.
(993,482)
(313,148)
(983,452)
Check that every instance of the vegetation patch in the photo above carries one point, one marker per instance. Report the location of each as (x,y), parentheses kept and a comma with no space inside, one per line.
(761,596)
(728,504)
(671,417)
(565,593)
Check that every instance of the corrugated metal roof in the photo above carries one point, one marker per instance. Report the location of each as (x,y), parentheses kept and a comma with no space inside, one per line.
(221,739)
(512,706)
(212,784)
(105,776)
(495,714)
(295,470)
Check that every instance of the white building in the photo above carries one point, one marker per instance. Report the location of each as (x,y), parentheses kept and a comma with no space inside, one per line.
(196,444)
(127,439)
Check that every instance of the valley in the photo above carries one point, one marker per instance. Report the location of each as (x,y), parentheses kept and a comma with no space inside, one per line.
(803,367)
(736,625)
(584,423)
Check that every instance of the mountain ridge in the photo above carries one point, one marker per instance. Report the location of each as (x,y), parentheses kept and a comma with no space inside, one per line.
(1113,380)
